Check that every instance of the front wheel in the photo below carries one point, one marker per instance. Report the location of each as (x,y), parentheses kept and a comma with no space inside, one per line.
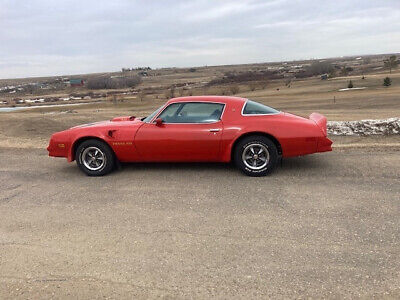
(94,158)
(256,155)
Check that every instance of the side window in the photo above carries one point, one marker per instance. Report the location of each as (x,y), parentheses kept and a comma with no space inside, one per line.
(169,114)
(255,108)
(192,112)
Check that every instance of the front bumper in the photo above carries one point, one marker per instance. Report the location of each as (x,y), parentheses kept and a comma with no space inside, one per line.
(57,147)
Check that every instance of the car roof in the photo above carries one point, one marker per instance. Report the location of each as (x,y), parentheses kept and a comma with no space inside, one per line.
(221,99)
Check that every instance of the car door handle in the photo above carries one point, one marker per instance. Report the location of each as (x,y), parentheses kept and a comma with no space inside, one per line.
(215,130)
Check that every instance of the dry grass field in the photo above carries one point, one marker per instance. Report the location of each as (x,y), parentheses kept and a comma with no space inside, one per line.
(33,127)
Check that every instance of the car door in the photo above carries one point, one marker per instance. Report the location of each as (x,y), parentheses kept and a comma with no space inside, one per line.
(190,131)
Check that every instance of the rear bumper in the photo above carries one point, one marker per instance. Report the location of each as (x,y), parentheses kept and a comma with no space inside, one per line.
(324,144)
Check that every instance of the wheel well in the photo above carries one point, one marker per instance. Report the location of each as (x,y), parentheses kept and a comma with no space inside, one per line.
(82,139)
(272,138)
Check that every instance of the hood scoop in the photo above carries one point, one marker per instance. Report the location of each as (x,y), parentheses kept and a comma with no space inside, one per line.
(127,118)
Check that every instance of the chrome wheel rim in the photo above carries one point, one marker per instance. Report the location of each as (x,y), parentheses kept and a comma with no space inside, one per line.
(255,156)
(93,158)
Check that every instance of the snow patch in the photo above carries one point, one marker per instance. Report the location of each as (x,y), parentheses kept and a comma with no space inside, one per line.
(365,127)
(352,89)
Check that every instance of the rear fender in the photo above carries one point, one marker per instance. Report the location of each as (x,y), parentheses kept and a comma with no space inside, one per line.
(320,121)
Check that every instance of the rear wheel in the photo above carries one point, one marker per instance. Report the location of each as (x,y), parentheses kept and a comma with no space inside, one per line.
(256,155)
(95,158)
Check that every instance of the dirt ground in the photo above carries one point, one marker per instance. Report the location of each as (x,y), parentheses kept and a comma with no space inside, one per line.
(322,226)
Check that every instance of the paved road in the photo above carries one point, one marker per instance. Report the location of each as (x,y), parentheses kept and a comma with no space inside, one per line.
(326,225)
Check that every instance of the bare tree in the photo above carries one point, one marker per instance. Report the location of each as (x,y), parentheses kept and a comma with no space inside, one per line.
(391,63)
(344,71)
(30,88)
(141,96)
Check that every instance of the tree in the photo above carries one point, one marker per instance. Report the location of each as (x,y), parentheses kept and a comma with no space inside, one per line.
(106,82)
(30,88)
(367,60)
(391,62)
(344,71)
(350,85)
(320,67)
(141,96)
(332,73)
(387,81)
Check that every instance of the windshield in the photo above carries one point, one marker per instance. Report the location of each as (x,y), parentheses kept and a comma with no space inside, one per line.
(151,116)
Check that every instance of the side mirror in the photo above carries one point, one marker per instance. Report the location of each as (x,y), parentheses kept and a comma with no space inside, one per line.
(159,121)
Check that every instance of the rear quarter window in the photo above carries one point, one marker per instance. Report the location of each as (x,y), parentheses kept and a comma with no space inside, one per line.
(255,108)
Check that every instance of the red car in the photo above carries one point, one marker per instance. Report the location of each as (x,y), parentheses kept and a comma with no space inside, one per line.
(195,129)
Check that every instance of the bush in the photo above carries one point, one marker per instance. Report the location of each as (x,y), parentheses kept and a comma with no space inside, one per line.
(350,85)
(234,89)
(141,96)
(103,82)
(263,85)
(344,71)
(230,77)
(387,81)
(252,86)
(318,68)
(170,93)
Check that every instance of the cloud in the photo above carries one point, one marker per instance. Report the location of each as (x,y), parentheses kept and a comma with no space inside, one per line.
(44,37)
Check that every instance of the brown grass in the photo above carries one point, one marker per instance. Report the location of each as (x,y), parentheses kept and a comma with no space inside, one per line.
(33,127)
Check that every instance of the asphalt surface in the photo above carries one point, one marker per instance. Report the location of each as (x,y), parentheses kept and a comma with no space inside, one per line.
(326,225)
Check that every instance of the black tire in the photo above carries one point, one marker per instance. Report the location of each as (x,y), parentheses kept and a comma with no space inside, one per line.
(255,148)
(97,149)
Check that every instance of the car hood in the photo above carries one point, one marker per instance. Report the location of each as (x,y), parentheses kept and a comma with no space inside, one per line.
(116,122)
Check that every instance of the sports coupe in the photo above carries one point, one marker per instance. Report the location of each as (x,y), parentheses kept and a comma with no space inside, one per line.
(195,129)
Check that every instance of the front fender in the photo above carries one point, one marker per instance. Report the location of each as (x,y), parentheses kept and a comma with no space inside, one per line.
(83,137)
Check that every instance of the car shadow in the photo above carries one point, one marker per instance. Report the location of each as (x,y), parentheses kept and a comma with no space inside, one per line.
(308,163)
(177,167)
(286,166)
(301,163)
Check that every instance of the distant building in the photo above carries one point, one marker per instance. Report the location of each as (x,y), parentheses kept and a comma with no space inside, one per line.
(76,82)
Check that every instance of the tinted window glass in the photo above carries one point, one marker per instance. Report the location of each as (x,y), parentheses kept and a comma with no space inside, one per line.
(192,112)
(254,108)
(170,112)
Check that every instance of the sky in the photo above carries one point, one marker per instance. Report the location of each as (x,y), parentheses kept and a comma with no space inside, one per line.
(47,37)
